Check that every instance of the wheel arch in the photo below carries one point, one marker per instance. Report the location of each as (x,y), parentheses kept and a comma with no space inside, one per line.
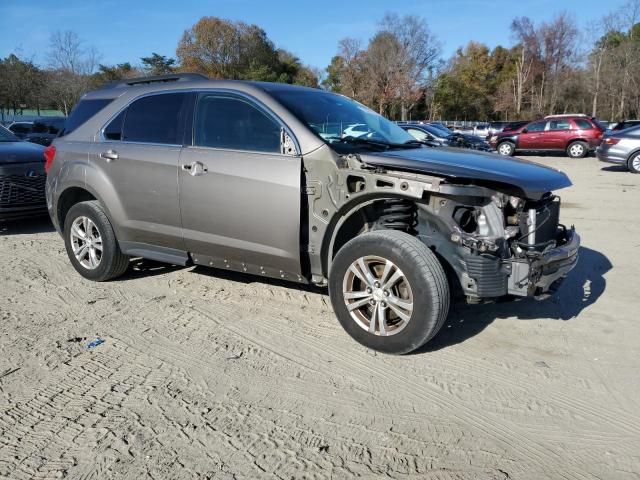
(351,218)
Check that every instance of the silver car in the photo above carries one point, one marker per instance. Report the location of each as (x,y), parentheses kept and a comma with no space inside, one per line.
(307,186)
(622,148)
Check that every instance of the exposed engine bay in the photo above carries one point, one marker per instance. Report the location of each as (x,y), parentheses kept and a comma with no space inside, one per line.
(493,242)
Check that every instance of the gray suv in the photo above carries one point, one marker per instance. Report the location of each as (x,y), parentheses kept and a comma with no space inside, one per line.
(269,179)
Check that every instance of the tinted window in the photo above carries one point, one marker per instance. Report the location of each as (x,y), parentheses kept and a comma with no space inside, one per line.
(559,125)
(583,124)
(536,127)
(53,126)
(82,112)
(233,123)
(7,136)
(21,128)
(113,131)
(155,119)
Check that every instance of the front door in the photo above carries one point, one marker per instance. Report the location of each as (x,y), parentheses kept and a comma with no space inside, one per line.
(531,137)
(239,195)
(557,134)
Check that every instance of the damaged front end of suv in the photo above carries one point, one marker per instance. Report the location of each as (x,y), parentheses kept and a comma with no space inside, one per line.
(494,225)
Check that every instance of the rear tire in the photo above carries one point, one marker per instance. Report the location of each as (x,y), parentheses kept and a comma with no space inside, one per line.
(634,163)
(91,243)
(507,149)
(396,316)
(577,149)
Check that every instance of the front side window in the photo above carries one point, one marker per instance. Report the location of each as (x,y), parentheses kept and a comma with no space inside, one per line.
(229,122)
(560,125)
(155,119)
(536,127)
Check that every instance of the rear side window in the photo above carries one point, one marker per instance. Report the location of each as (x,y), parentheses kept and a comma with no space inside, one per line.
(155,119)
(21,128)
(560,125)
(82,112)
(583,124)
(233,123)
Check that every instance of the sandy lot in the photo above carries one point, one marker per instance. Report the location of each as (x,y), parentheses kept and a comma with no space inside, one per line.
(206,374)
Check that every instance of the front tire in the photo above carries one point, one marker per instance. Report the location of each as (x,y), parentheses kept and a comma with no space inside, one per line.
(634,163)
(577,150)
(91,243)
(389,291)
(507,149)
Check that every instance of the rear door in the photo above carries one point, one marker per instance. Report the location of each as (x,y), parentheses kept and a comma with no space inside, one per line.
(531,138)
(138,156)
(240,196)
(557,135)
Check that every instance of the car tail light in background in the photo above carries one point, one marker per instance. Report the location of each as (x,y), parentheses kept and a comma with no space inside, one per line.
(610,141)
(49,155)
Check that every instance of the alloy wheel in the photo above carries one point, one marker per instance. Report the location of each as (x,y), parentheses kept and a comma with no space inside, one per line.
(505,149)
(378,295)
(86,242)
(576,150)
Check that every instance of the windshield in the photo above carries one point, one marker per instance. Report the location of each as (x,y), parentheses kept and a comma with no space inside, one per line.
(335,118)
(440,130)
(7,136)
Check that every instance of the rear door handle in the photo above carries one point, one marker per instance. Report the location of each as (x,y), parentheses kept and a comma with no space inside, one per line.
(109,155)
(195,169)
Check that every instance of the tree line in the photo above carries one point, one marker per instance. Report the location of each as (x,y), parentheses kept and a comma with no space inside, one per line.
(550,67)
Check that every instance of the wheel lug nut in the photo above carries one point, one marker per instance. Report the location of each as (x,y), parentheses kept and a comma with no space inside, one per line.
(386,293)
(376,284)
(369,290)
(372,302)
(383,304)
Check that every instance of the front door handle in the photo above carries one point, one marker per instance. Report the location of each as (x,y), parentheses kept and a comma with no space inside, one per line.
(109,155)
(195,169)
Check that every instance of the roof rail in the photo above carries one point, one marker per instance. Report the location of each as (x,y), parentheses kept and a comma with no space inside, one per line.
(566,115)
(174,77)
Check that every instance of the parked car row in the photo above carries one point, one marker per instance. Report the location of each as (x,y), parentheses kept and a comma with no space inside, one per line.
(437,135)
(41,131)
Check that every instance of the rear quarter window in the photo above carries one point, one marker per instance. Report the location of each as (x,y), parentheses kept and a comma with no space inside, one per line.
(583,124)
(82,112)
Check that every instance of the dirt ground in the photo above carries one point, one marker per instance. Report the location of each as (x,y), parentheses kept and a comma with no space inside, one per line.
(206,374)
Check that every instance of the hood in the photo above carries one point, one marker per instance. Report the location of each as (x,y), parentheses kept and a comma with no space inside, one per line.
(530,179)
(20,152)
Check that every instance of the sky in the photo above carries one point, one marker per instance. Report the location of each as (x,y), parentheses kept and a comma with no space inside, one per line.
(124,31)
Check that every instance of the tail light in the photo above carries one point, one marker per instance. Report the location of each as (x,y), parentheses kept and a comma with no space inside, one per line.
(49,155)
(610,141)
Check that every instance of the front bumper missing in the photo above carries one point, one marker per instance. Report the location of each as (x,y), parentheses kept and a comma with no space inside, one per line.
(540,276)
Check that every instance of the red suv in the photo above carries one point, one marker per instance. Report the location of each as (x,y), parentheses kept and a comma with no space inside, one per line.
(574,134)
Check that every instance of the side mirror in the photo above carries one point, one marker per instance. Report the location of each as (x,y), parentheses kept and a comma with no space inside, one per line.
(524,130)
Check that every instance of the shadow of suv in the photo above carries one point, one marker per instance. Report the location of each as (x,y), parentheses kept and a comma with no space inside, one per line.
(576,135)
(273,180)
